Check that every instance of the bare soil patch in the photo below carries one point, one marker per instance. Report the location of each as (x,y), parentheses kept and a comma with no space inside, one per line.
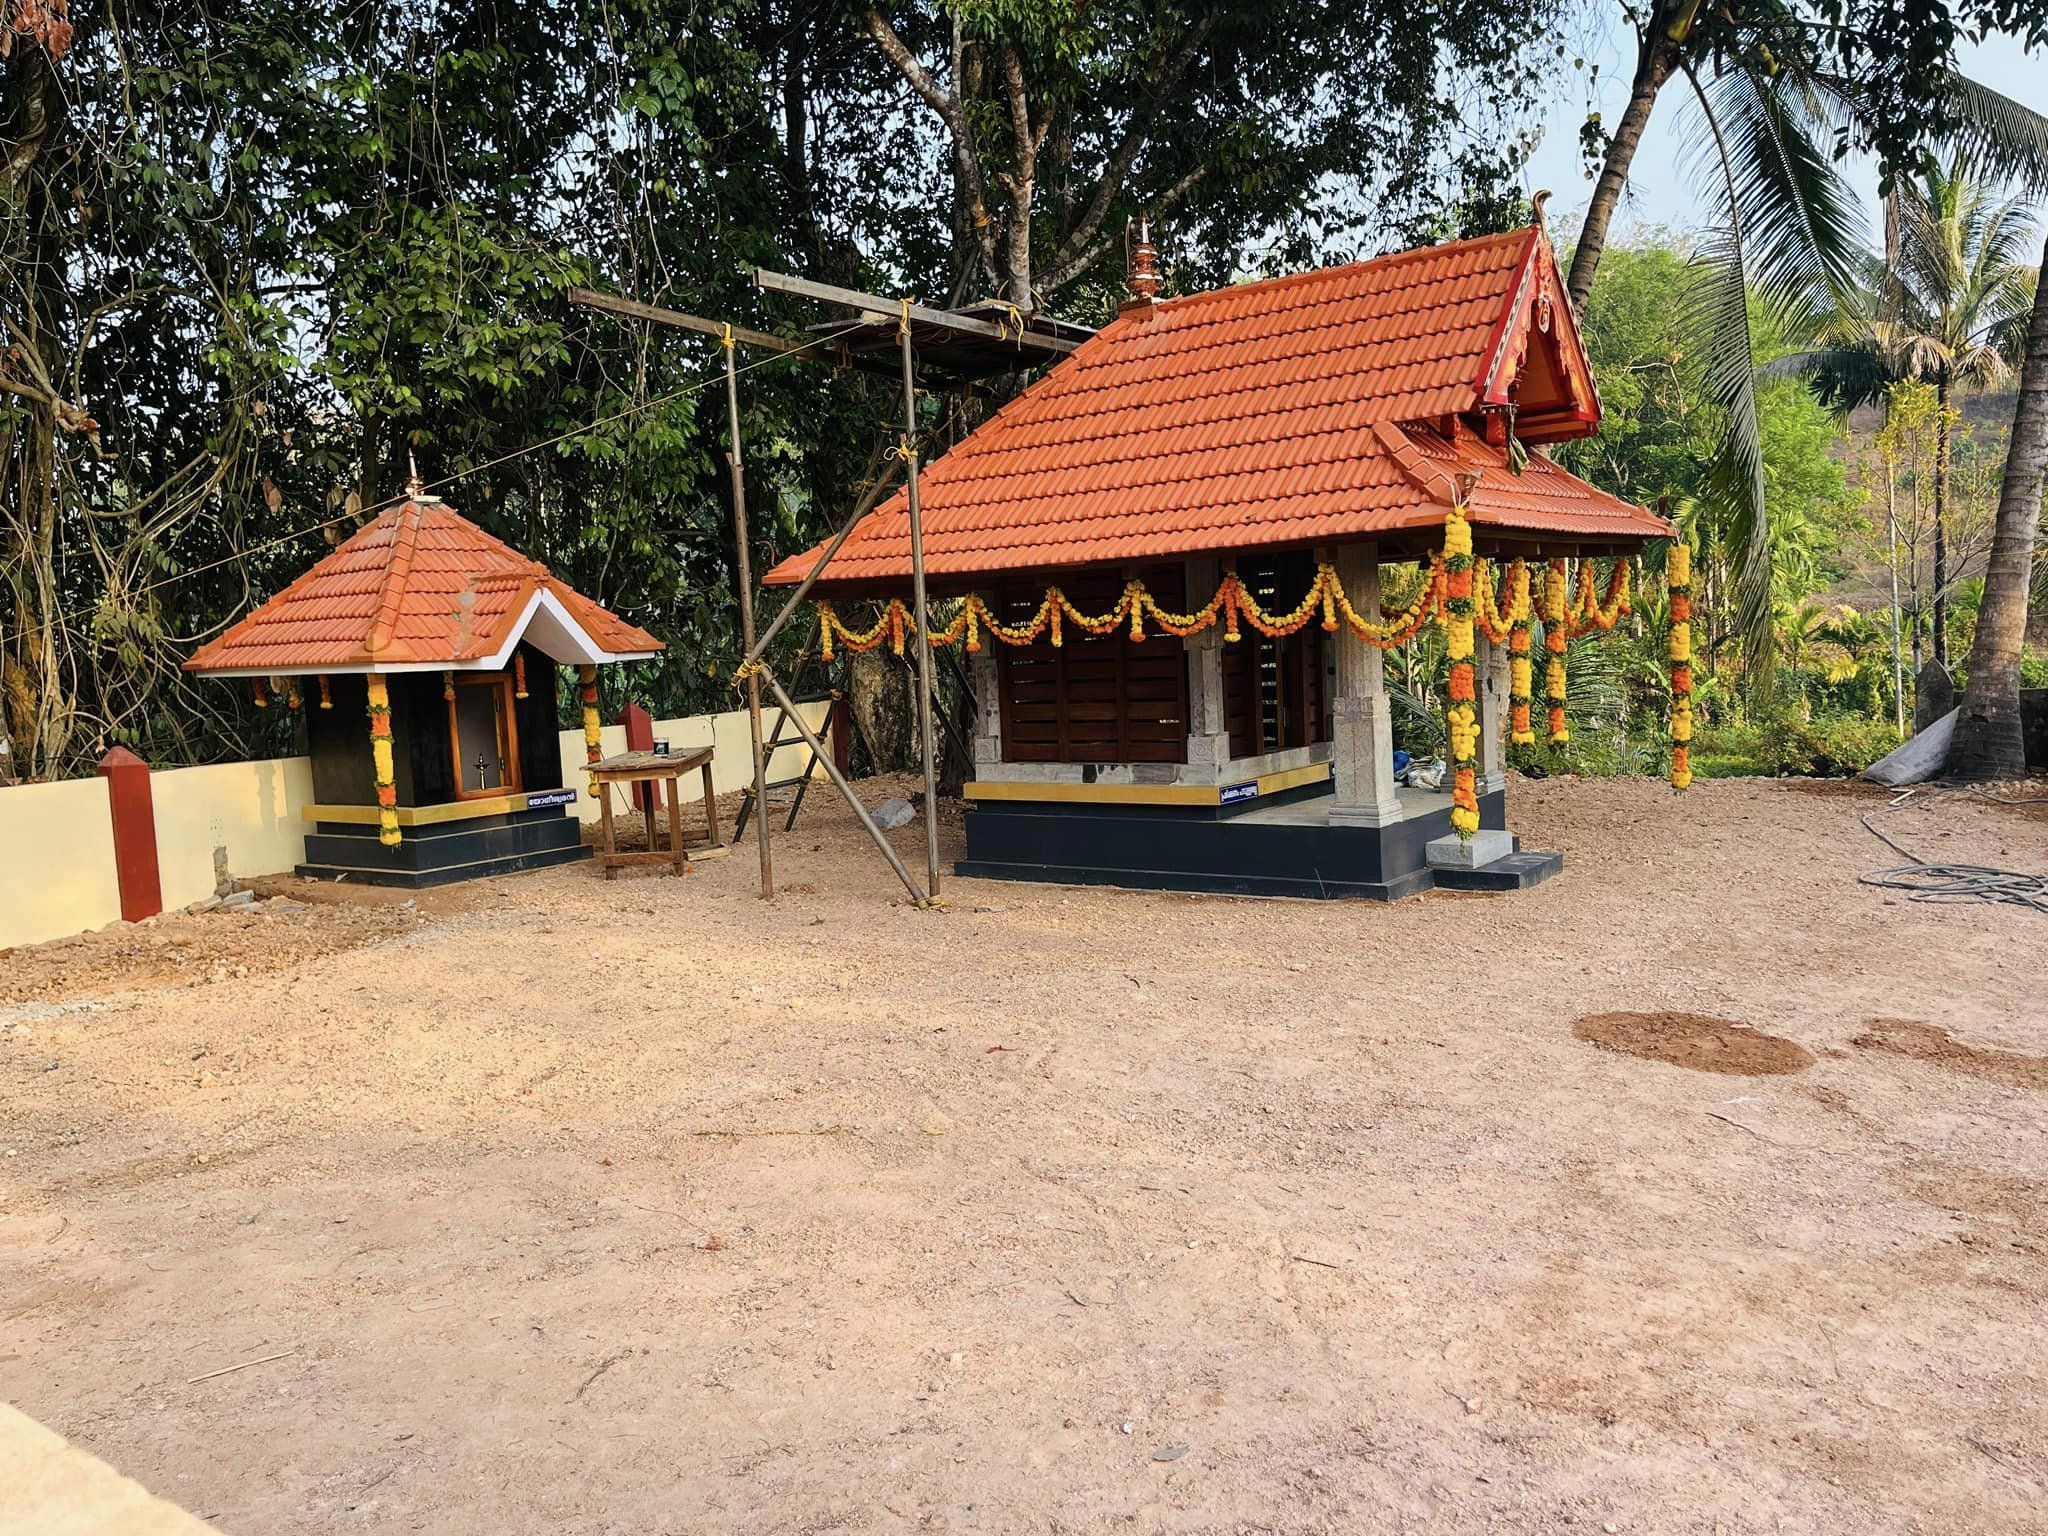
(1919,1041)
(612,1209)
(1693,1040)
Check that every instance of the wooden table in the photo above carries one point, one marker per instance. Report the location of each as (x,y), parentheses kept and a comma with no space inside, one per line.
(650,768)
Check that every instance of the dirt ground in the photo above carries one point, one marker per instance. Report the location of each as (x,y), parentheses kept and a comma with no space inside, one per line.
(650,1207)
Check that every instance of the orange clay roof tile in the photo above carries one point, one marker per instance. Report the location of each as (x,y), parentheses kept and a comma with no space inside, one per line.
(1266,413)
(420,585)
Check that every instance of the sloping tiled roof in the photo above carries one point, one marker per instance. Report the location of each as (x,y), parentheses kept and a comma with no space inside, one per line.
(419,586)
(1266,414)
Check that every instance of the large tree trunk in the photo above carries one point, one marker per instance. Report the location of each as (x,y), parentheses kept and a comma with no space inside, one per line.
(1988,744)
(879,698)
(1941,461)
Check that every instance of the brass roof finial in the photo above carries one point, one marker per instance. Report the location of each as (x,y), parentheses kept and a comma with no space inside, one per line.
(1144,279)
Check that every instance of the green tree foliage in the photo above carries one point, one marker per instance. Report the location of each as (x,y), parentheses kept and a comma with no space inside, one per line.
(253,259)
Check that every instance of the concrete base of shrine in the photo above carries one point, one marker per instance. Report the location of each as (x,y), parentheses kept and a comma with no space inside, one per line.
(444,852)
(1263,849)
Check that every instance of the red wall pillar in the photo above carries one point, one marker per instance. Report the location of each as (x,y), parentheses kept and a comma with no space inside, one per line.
(639,738)
(127,776)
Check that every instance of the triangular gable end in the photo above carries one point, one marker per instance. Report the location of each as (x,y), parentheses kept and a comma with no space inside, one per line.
(1537,361)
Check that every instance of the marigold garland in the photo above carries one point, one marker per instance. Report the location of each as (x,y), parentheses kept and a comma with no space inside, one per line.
(381,763)
(326,699)
(262,693)
(1678,580)
(1462,716)
(1555,625)
(1519,669)
(593,730)
(1588,611)
(1234,605)
(1459,592)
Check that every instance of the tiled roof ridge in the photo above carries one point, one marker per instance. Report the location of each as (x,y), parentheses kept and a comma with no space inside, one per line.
(1389,259)
(405,539)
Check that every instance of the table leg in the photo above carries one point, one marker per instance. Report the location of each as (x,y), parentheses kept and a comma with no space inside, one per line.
(604,802)
(675,824)
(711,808)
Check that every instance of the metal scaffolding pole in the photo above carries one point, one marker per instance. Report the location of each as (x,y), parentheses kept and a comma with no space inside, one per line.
(924,638)
(746,579)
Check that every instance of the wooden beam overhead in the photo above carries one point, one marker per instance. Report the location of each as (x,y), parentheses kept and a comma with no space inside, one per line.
(874,307)
(633,309)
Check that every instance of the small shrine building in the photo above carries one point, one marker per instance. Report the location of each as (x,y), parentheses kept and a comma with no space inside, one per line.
(420,658)
(1166,558)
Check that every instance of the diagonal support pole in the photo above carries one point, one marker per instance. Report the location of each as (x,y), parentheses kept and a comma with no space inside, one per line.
(845,789)
(883,483)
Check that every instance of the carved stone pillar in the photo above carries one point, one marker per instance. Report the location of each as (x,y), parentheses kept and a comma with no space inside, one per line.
(985,677)
(1208,730)
(1491,665)
(1362,754)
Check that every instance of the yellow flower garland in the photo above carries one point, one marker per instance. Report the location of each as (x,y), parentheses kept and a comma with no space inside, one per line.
(593,730)
(382,767)
(1678,580)
(1233,602)
(1461,716)
(1458,592)
(1556,631)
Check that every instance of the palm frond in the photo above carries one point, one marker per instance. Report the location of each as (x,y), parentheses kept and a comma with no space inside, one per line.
(2005,140)
(1718,307)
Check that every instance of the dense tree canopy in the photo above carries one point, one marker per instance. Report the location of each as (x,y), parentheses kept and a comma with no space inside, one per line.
(253,258)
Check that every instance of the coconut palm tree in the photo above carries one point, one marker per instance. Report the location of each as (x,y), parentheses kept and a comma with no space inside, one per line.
(1988,742)
(1773,106)
(1952,305)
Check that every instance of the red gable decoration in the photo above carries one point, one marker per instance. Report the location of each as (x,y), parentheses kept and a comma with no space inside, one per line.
(1335,404)
(420,588)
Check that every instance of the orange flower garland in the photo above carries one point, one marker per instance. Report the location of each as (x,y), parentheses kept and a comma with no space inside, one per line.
(1233,604)
(593,731)
(1519,668)
(1588,612)
(1462,717)
(1678,580)
(1555,626)
(381,763)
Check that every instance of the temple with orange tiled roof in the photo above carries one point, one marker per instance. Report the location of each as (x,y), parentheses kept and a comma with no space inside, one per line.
(447,639)
(1166,558)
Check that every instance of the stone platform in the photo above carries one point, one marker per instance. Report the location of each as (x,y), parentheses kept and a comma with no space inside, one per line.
(1292,848)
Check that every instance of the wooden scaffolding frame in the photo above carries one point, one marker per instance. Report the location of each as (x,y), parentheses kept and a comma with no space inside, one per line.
(983,346)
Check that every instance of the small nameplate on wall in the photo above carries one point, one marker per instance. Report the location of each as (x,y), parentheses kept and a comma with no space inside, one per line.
(541,799)
(1233,793)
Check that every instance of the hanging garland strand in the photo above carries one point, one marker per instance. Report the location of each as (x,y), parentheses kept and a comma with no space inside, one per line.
(1519,669)
(1588,611)
(1678,580)
(1233,605)
(1458,592)
(1462,715)
(1556,625)
(381,763)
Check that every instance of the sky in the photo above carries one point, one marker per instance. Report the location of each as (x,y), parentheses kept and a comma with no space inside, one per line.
(1661,191)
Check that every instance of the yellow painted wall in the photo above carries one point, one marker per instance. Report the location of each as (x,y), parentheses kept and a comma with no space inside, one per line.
(56,861)
(249,809)
(728,734)
(57,840)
